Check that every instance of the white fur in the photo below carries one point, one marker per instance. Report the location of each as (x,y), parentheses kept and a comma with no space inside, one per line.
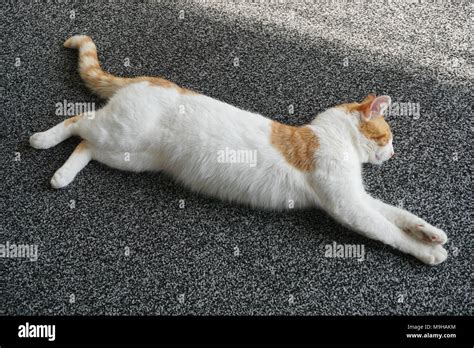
(147,127)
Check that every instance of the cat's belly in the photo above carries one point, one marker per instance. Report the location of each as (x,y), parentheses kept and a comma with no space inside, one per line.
(232,182)
(264,185)
(130,161)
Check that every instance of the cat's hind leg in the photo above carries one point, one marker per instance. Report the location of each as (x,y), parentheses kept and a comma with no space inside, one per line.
(75,163)
(56,134)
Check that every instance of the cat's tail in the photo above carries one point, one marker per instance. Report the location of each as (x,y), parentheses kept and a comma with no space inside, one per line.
(100,82)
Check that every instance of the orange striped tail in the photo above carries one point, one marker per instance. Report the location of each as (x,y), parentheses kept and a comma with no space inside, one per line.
(100,82)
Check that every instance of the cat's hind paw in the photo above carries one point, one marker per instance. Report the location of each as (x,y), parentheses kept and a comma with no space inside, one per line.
(427,233)
(61,179)
(41,141)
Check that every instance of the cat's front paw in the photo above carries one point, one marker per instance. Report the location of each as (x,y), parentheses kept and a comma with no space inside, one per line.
(433,255)
(426,233)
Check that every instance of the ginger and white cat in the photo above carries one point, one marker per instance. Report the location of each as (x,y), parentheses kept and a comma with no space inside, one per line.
(151,124)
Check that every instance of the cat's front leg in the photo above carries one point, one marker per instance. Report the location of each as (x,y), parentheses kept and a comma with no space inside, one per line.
(350,207)
(408,222)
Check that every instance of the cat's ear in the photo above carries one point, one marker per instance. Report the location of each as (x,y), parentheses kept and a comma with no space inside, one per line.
(368,99)
(374,107)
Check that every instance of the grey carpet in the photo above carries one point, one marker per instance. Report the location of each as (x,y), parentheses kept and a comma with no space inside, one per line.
(212,257)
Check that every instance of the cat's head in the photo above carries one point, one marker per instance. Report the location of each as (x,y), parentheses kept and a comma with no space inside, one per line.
(375,136)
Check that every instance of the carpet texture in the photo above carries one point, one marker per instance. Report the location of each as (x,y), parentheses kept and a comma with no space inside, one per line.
(123,243)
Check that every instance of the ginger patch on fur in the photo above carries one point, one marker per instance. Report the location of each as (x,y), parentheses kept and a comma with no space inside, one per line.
(72,120)
(103,83)
(361,107)
(159,81)
(376,129)
(81,147)
(296,144)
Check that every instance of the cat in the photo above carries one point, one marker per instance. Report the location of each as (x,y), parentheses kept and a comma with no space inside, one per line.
(151,124)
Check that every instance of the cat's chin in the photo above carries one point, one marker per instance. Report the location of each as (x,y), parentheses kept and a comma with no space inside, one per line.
(376,162)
